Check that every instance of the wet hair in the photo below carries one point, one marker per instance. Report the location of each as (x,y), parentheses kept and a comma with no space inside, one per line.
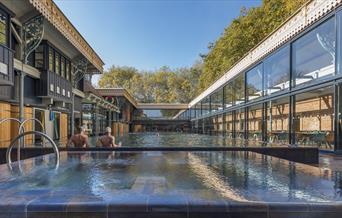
(108,130)
(82,129)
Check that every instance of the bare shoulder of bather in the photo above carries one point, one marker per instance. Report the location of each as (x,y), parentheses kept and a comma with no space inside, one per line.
(76,140)
(115,145)
(85,141)
(106,141)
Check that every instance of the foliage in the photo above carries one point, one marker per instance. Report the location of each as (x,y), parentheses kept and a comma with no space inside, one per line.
(182,85)
(161,86)
(244,33)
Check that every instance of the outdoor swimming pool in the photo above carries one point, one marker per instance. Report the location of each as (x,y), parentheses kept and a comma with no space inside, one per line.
(170,140)
(170,184)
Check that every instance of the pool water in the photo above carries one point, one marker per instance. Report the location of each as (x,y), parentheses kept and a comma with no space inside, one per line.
(170,140)
(233,176)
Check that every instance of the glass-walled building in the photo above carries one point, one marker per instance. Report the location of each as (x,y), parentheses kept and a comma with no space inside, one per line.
(291,96)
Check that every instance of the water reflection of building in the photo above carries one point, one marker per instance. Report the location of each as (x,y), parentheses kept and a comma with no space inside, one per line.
(287,90)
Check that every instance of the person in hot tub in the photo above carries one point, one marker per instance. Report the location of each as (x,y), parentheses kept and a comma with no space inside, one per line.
(107,140)
(79,140)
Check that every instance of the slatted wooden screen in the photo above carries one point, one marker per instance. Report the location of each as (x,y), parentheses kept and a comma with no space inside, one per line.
(28,113)
(9,130)
(5,128)
(115,129)
(64,129)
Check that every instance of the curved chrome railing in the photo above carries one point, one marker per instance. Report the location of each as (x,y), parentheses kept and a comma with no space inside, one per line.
(31,119)
(22,128)
(10,147)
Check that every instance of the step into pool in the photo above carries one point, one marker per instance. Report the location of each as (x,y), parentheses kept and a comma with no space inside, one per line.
(168,184)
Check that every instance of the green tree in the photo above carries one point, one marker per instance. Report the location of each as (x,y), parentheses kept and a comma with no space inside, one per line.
(164,85)
(244,33)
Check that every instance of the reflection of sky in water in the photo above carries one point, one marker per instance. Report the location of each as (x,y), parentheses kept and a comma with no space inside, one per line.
(239,176)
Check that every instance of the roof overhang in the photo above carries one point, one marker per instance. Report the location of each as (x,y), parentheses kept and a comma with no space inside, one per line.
(162,106)
(308,14)
(55,16)
(92,98)
(117,92)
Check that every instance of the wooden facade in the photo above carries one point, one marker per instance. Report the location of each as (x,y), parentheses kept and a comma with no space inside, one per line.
(6,111)
(64,129)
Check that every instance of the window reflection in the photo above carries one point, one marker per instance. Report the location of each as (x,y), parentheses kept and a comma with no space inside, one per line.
(313,120)
(157,114)
(216,101)
(3,28)
(57,60)
(229,125)
(255,124)
(220,127)
(63,67)
(277,71)
(239,89)
(254,83)
(39,56)
(51,60)
(228,95)
(277,121)
(206,105)
(314,54)
(240,124)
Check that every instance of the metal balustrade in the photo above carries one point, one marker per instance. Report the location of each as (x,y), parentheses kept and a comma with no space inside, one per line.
(22,135)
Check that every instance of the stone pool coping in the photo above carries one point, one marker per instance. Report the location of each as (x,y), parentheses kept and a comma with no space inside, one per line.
(66,205)
(306,155)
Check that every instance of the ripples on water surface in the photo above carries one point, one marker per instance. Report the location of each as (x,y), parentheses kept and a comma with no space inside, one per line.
(239,176)
(170,140)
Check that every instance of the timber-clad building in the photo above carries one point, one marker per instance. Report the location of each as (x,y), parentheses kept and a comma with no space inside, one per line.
(45,68)
(285,91)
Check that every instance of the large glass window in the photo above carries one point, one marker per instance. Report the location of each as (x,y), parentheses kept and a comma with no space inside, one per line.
(149,114)
(208,125)
(51,60)
(239,89)
(216,101)
(67,69)
(220,126)
(255,123)
(229,125)
(228,95)
(254,82)
(314,54)
(39,57)
(313,122)
(206,105)
(192,112)
(3,28)
(57,63)
(277,71)
(278,121)
(240,124)
(63,67)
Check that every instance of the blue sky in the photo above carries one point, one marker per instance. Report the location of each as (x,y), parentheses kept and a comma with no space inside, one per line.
(148,34)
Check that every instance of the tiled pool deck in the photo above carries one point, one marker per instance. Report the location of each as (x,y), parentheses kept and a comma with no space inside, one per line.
(147,197)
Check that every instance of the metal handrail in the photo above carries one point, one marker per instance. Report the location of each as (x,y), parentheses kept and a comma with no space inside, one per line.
(8,119)
(22,128)
(10,147)
(33,119)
